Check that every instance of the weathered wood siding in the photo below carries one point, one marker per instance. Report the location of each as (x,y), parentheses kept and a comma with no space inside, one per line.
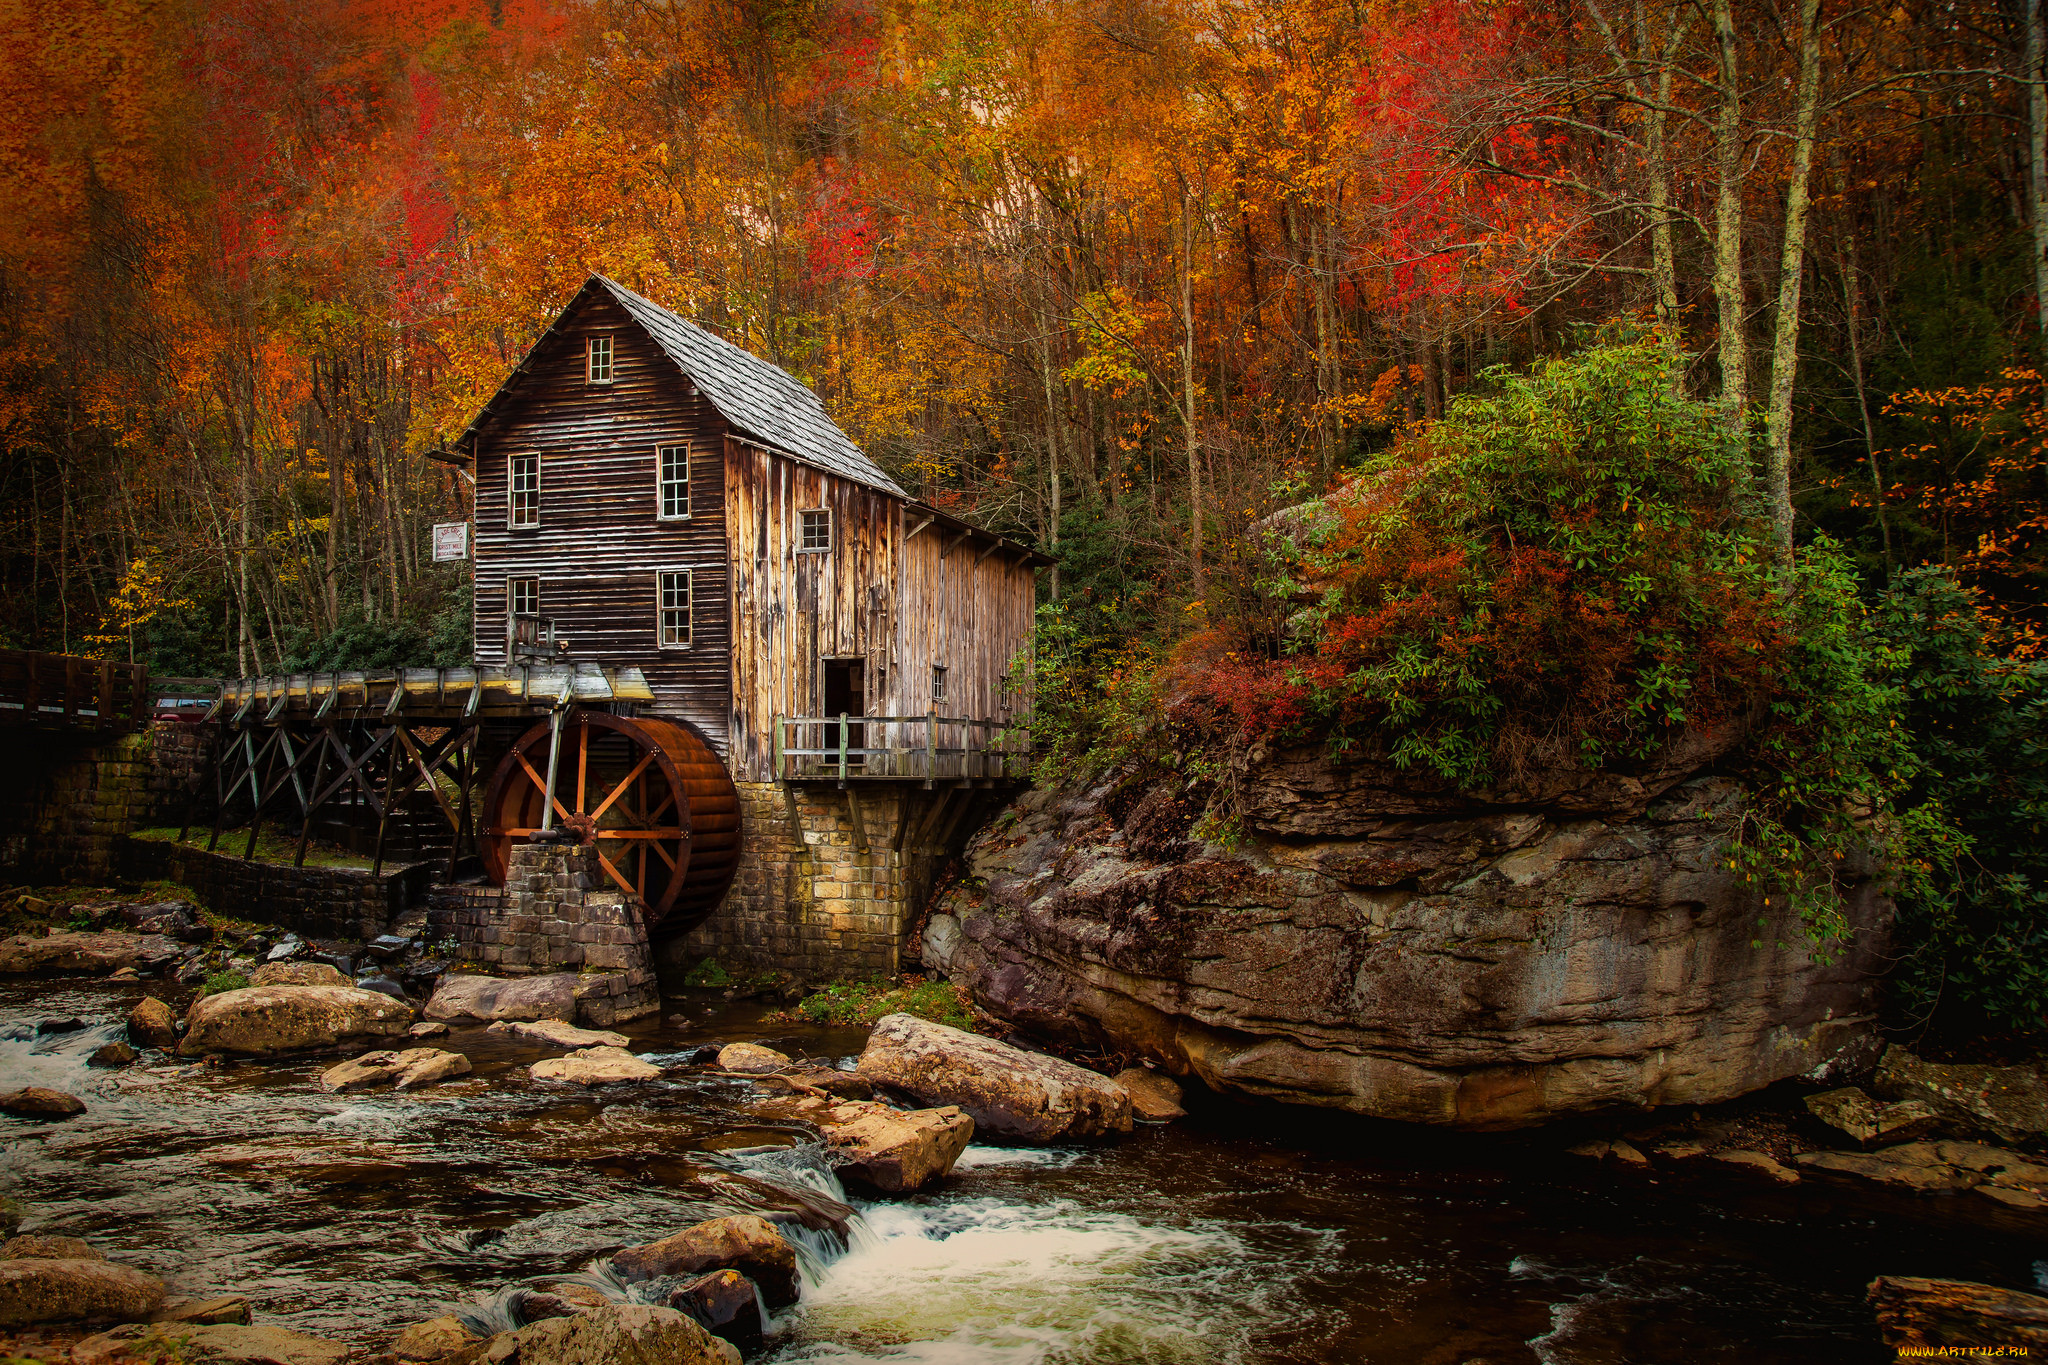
(900,607)
(973,616)
(791,609)
(599,544)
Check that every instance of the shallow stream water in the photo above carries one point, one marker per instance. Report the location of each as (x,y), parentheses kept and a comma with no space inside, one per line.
(1242,1235)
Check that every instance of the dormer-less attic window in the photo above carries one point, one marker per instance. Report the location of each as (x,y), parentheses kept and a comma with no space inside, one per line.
(599,369)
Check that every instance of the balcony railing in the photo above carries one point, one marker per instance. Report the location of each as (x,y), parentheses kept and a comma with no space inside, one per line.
(63,692)
(929,749)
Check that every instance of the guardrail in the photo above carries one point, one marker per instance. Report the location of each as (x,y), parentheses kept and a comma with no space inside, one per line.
(65,692)
(929,748)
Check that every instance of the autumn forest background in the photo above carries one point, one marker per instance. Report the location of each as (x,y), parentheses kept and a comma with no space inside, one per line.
(1638,363)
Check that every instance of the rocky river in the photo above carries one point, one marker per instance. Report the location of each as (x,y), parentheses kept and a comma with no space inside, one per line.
(1243,1233)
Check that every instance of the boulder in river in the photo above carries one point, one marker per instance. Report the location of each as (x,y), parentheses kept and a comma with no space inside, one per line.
(1870,1122)
(96,953)
(751,1058)
(41,1289)
(556,1033)
(40,1102)
(726,1303)
(2004,1186)
(228,1309)
(151,1024)
(894,1150)
(744,1242)
(2008,1102)
(434,1339)
(208,1344)
(1926,1316)
(595,1066)
(486,998)
(1387,944)
(406,1070)
(111,1055)
(297,974)
(272,1021)
(42,1246)
(616,1334)
(1010,1093)
(1154,1098)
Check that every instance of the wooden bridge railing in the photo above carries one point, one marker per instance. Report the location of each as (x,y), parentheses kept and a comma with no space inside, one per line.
(929,748)
(64,692)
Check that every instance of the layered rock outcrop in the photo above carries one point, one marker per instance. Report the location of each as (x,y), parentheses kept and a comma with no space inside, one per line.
(1387,945)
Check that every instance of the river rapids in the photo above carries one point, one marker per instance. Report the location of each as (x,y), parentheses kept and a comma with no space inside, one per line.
(1241,1236)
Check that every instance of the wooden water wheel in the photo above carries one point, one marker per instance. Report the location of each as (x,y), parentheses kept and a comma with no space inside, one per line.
(648,791)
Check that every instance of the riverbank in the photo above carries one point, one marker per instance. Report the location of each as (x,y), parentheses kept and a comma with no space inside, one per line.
(1241,1234)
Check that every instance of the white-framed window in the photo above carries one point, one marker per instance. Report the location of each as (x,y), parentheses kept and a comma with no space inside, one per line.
(523,501)
(938,683)
(673,599)
(672,482)
(598,360)
(814,531)
(522,596)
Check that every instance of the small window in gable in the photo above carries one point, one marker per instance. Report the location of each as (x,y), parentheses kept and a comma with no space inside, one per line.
(814,531)
(599,370)
(672,594)
(672,480)
(523,492)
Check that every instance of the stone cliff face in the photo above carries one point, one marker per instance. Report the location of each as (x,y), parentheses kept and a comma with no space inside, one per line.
(1382,946)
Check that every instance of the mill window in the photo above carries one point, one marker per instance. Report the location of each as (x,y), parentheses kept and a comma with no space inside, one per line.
(599,370)
(938,683)
(525,490)
(673,608)
(814,531)
(672,475)
(524,596)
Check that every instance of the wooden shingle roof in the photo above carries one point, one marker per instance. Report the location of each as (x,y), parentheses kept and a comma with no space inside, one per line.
(759,399)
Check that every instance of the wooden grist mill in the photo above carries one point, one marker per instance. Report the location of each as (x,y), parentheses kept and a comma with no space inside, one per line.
(711,636)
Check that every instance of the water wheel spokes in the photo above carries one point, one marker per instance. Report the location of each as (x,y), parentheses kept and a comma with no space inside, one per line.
(609,770)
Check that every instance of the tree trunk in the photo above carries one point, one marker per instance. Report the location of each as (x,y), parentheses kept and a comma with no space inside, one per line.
(2037,160)
(1728,285)
(1791,275)
(1187,382)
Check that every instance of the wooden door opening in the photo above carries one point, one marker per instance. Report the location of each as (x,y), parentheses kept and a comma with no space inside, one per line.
(846,695)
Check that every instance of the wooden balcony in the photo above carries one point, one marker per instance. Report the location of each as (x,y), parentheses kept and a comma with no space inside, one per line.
(932,750)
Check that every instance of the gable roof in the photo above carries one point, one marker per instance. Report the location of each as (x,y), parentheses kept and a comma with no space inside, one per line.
(758,398)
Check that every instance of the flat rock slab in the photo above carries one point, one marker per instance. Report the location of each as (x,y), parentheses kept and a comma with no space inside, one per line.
(556,1033)
(895,1150)
(406,1070)
(595,1066)
(1009,1092)
(488,998)
(273,1021)
(229,1309)
(751,1059)
(616,1334)
(39,1102)
(297,974)
(194,1343)
(97,953)
(2008,1102)
(744,1242)
(2008,1179)
(40,1289)
(1874,1122)
(1926,1313)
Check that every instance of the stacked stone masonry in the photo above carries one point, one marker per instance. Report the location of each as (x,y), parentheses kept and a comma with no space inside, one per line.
(319,902)
(70,799)
(808,897)
(552,916)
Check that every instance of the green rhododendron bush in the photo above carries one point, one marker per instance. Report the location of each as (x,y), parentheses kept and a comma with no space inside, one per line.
(1569,568)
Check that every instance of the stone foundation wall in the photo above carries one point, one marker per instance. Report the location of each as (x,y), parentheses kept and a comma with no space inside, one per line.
(68,800)
(811,898)
(319,902)
(551,916)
